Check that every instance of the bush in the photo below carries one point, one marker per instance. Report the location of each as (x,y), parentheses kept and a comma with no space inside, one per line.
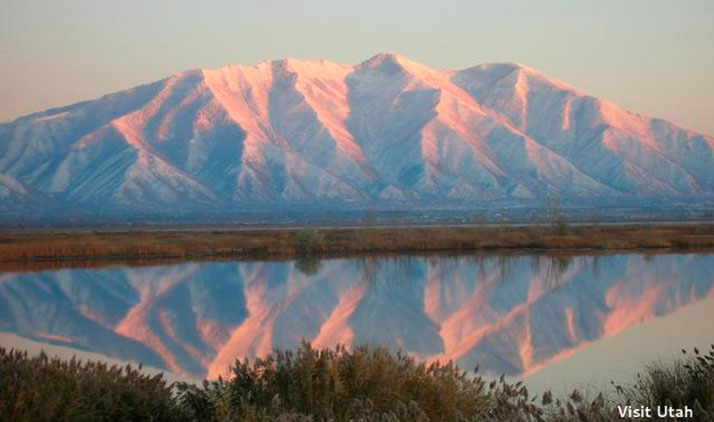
(309,240)
(43,389)
(686,382)
(366,384)
(555,218)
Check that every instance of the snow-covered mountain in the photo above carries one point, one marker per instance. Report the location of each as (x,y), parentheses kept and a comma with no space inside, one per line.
(293,133)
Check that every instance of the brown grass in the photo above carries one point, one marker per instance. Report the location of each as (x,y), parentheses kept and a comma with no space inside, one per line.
(139,244)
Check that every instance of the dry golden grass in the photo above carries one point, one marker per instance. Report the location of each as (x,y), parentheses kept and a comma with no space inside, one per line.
(51,245)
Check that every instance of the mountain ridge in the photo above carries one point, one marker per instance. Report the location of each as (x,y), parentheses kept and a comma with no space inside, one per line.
(386,131)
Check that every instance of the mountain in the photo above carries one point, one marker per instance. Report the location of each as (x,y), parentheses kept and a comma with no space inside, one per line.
(290,134)
(511,315)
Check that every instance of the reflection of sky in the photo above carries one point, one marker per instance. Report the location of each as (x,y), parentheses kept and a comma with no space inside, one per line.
(619,358)
(517,315)
(653,57)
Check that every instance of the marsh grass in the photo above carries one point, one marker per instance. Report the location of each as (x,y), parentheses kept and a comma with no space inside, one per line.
(41,388)
(366,384)
(297,243)
(685,382)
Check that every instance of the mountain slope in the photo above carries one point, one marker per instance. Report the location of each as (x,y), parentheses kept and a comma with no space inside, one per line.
(387,131)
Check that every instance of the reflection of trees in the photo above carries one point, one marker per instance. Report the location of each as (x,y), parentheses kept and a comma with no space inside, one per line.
(595,265)
(368,267)
(308,265)
(397,269)
(504,265)
(450,264)
(556,266)
(400,269)
(553,268)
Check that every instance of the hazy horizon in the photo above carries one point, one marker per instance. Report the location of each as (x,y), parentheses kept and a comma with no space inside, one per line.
(651,57)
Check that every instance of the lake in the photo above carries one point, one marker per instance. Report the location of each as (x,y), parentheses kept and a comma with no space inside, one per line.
(556,321)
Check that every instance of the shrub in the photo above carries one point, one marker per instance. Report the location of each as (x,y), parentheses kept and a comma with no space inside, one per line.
(686,382)
(49,389)
(309,240)
(367,384)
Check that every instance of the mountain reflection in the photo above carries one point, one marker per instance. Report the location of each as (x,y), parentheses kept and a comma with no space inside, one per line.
(509,315)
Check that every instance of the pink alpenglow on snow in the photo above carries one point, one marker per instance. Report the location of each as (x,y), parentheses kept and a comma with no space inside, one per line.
(292,133)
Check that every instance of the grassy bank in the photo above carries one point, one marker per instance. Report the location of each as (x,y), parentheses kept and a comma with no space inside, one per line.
(367,384)
(19,246)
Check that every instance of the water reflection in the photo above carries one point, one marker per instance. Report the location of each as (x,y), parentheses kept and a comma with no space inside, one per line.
(509,315)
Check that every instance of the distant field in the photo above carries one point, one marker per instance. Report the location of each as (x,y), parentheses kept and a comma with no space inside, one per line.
(51,246)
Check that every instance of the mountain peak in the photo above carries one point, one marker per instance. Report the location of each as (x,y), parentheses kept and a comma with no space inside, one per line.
(393,63)
(385,61)
(517,73)
(385,56)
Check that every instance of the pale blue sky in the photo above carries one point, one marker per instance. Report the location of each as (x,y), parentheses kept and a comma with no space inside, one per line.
(655,57)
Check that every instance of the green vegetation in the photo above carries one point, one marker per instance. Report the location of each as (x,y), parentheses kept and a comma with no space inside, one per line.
(309,240)
(367,384)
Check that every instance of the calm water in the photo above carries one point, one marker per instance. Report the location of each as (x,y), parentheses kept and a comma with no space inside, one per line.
(521,315)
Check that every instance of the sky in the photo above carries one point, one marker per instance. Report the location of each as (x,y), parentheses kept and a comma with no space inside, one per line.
(654,57)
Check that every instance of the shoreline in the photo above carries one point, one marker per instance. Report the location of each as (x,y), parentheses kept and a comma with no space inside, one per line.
(53,248)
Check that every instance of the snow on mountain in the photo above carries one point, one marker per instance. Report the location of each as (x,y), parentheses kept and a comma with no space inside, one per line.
(387,130)
(15,198)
